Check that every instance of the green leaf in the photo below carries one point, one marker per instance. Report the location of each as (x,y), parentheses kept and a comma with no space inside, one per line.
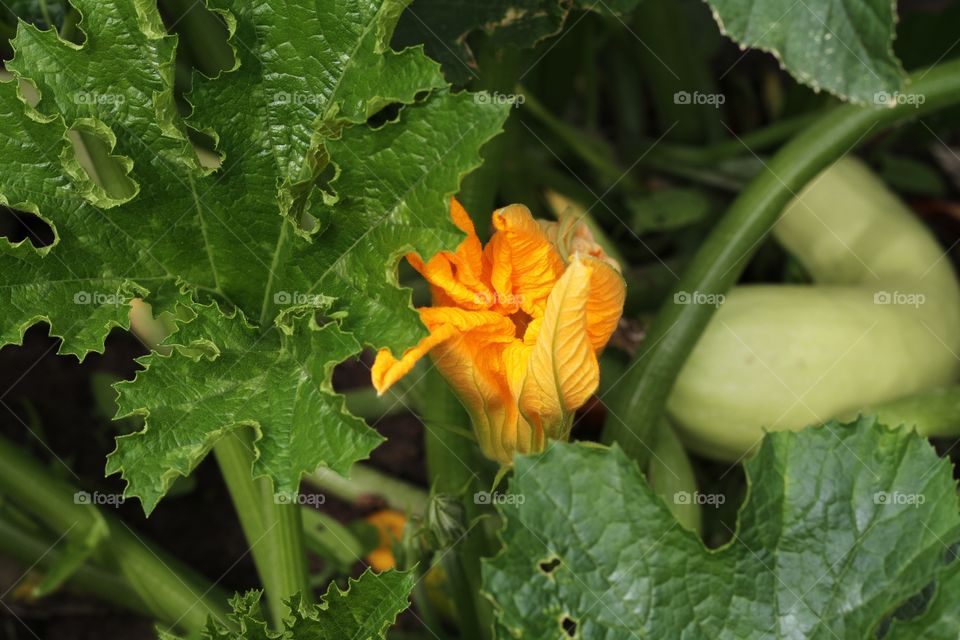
(443,27)
(941,619)
(308,212)
(843,523)
(228,375)
(843,47)
(363,612)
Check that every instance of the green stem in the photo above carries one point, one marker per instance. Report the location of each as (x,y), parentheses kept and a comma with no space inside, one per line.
(592,150)
(94,155)
(328,538)
(670,473)
(35,548)
(69,29)
(425,608)
(715,268)
(274,531)
(286,544)
(456,467)
(365,480)
(170,591)
(755,141)
(202,35)
(697,164)
(364,402)
(463,592)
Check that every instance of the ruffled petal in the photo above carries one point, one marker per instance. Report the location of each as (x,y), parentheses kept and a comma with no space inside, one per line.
(524,263)
(388,369)
(476,329)
(515,332)
(456,277)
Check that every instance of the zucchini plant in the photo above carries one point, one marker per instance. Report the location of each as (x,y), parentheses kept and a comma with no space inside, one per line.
(516,319)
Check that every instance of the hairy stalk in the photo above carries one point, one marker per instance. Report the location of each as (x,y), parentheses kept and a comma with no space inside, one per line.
(715,268)
(170,591)
(272,526)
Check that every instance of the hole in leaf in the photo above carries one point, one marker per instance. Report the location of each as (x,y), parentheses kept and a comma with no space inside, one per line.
(17,226)
(205,147)
(202,36)
(387,114)
(569,626)
(549,565)
(953,552)
(321,189)
(104,169)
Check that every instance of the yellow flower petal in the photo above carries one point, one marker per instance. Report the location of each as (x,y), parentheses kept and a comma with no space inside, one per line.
(605,304)
(563,371)
(389,525)
(387,369)
(516,331)
(472,363)
(456,277)
(473,328)
(524,263)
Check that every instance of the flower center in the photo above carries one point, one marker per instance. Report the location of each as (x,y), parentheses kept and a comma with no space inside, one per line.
(520,320)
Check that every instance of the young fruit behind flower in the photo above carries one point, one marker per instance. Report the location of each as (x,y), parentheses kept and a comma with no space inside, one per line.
(516,326)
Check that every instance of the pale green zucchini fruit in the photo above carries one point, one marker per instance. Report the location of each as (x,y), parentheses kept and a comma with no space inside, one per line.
(880,322)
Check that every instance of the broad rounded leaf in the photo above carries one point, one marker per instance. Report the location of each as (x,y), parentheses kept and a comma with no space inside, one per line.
(842,524)
(843,47)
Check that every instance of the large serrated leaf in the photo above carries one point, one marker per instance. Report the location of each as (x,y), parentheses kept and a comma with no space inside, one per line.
(363,612)
(843,47)
(229,376)
(310,203)
(843,523)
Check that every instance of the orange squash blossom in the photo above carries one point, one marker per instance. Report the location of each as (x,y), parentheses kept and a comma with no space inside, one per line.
(516,326)
(389,525)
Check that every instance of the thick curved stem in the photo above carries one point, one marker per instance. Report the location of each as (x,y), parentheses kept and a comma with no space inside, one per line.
(171,592)
(34,548)
(714,270)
